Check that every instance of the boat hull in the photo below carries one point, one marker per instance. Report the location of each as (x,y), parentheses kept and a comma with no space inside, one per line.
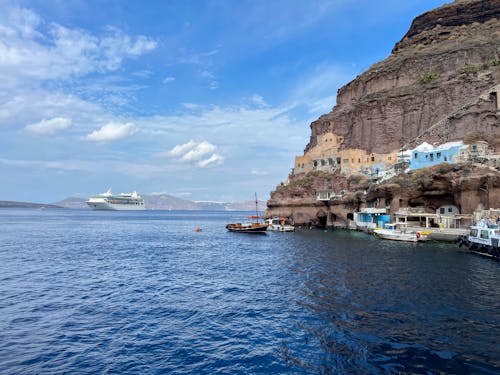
(399,236)
(105,206)
(281,228)
(247,228)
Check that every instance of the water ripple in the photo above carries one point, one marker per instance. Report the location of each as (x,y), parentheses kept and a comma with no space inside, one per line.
(85,291)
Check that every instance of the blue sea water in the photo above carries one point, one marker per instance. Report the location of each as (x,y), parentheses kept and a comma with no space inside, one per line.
(142,292)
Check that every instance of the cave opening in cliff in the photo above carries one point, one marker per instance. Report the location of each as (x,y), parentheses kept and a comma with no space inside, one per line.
(333,219)
(322,221)
(494,98)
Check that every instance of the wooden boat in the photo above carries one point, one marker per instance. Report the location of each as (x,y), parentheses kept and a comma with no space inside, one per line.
(255,227)
(399,232)
(247,227)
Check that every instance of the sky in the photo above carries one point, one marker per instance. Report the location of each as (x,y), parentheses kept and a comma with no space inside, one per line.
(203,100)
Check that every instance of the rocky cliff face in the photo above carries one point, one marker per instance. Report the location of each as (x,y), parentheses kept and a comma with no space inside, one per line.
(449,58)
(441,83)
(467,186)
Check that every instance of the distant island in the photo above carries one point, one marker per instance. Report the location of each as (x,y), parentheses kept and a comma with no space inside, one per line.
(152,202)
(10,204)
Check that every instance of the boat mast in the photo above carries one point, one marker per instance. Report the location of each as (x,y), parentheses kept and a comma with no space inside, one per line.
(256,209)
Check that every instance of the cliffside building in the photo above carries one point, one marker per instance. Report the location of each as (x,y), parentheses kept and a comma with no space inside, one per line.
(426,155)
(328,156)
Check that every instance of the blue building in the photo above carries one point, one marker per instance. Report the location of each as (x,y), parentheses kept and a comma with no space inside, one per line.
(370,218)
(427,155)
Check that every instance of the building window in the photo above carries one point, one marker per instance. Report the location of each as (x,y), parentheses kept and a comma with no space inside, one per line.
(338,160)
(315,163)
(441,210)
(438,155)
(432,157)
(450,209)
(323,162)
(373,158)
(416,156)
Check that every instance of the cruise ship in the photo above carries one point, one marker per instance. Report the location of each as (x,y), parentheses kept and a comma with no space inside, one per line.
(109,201)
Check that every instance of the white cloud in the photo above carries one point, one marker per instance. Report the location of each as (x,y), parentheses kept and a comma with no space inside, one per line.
(213,84)
(259,101)
(191,106)
(49,126)
(318,89)
(215,159)
(31,52)
(202,154)
(168,80)
(62,165)
(198,151)
(112,132)
(259,172)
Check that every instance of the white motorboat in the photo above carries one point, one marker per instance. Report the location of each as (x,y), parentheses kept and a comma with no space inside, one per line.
(484,238)
(400,232)
(280,224)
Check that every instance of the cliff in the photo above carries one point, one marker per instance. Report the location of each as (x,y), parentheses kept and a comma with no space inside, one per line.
(441,83)
(448,60)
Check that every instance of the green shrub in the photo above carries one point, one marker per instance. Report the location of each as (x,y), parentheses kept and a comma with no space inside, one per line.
(428,78)
(494,62)
(467,69)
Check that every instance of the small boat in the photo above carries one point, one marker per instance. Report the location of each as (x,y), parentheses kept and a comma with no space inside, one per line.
(247,227)
(484,239)
(280,224)
(399,232)
(255,227)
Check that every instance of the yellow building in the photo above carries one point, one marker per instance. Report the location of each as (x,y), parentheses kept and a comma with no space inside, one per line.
(326,156)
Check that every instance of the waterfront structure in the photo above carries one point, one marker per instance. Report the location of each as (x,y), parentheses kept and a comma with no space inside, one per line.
(370,218)
(122,202)
(445,217)
(445,226)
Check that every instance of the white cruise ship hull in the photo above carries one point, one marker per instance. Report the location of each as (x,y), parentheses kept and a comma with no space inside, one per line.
(115,206)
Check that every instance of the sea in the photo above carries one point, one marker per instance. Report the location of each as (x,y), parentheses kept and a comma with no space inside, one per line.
(143,293)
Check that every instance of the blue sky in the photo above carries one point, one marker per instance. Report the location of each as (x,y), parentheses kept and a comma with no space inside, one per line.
(204,100)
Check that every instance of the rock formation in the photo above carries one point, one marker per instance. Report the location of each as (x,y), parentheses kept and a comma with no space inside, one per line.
(440,84)
(449,59)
